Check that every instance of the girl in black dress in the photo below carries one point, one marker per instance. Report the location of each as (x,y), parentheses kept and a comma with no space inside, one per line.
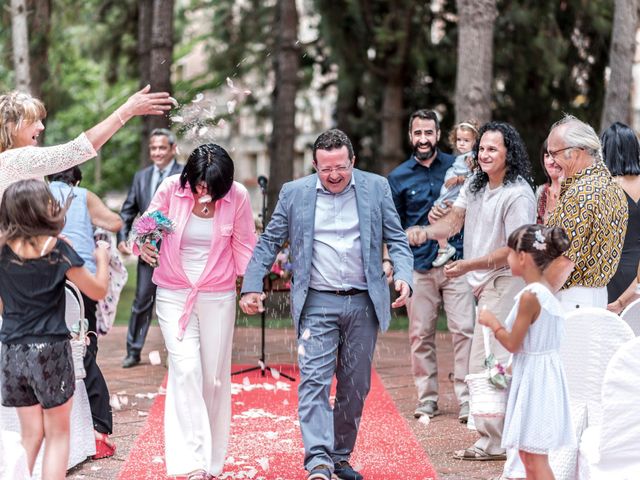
(36,366)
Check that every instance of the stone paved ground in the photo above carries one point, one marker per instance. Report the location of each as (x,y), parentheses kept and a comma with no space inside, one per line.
(440,438)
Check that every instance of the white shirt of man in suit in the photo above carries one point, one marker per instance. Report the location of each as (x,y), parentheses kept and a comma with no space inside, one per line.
(161,153)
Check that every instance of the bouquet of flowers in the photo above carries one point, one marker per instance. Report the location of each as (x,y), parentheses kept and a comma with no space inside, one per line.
(497,372)
(151,227)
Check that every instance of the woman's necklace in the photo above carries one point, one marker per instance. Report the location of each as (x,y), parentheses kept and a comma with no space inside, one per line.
(204,200)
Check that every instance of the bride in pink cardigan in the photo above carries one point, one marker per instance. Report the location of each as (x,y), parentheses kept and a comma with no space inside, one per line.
(196,276)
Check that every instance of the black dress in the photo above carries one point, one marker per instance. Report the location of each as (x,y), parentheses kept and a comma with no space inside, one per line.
(628,266)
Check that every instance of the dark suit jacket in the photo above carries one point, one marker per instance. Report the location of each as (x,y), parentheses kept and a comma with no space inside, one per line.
(139,197)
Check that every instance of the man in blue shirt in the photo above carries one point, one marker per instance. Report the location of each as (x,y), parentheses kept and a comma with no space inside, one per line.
(415,186)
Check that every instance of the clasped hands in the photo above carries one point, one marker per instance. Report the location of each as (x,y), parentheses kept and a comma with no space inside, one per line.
(252,302)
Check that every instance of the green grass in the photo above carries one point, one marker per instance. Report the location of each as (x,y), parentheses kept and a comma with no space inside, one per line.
(126,297)
(277,310)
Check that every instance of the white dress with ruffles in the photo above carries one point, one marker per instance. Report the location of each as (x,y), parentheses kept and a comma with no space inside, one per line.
(538,418)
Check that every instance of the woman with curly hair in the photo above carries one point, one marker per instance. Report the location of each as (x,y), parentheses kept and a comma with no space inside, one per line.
(497,200)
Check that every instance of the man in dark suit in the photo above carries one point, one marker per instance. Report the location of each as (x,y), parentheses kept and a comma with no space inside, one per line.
(162,149)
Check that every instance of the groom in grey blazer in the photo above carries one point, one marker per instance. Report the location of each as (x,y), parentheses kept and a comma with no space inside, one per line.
(336,222)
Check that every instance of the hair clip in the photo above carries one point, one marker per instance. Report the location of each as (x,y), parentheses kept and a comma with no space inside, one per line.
(539,243)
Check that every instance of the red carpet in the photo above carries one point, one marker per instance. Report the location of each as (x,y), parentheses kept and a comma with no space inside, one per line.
(265,439)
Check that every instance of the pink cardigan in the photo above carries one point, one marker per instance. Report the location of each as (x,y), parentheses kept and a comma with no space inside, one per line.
(232,242)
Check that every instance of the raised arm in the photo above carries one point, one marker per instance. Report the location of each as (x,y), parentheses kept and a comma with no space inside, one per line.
(93,286)
(100,214)
(142,102)
(528,311)
(34,162)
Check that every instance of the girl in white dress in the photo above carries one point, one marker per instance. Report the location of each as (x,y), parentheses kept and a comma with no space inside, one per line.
(537,418)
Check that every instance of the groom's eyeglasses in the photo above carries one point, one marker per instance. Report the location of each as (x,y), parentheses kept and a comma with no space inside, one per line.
(328,171)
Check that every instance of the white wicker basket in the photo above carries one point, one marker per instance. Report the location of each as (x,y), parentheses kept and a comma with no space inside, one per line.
(485,399)
(77,324)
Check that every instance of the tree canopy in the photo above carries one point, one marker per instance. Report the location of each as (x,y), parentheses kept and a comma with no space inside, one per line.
(385,60)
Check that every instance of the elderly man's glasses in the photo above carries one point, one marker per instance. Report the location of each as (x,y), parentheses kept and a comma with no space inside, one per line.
(553,154)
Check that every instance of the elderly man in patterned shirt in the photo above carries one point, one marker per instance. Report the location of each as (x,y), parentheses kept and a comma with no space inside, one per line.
(593,211)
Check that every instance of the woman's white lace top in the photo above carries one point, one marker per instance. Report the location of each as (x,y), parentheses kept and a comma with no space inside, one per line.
(37,162)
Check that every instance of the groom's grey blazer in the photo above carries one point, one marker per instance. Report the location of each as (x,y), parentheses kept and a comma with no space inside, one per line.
(293,220)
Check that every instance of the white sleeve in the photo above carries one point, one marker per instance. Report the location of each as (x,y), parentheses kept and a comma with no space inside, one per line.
(37,162)
(461,201)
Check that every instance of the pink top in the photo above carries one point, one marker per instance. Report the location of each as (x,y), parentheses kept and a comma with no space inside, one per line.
(232,242)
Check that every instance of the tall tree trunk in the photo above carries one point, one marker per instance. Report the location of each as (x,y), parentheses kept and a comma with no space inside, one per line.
(145,20)
(392,120)
(617,100)
(39,26)
(20,41)
(285,63)
(476,20)
(161,54)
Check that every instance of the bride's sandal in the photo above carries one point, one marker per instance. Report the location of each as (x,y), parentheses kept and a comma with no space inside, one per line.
(104,446)
(198,475)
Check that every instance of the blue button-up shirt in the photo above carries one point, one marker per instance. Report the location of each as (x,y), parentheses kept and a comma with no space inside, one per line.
(415,188)
(336,263)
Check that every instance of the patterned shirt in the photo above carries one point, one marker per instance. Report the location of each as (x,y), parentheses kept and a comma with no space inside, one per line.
(593,211)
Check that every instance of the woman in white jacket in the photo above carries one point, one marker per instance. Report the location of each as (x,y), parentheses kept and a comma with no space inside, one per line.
(21,118)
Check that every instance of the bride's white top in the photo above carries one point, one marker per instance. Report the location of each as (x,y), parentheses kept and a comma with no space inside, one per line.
(195,246)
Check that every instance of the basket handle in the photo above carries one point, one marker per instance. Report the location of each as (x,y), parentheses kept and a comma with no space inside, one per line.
(82,332)
(486,337)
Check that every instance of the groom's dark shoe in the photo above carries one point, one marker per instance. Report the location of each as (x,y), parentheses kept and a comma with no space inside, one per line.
(344,471)
(130,361)
(321,472)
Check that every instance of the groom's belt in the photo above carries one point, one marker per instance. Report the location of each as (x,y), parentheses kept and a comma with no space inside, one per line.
(341,293)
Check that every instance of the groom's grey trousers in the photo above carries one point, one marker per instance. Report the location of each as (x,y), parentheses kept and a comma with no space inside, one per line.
(338,335)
